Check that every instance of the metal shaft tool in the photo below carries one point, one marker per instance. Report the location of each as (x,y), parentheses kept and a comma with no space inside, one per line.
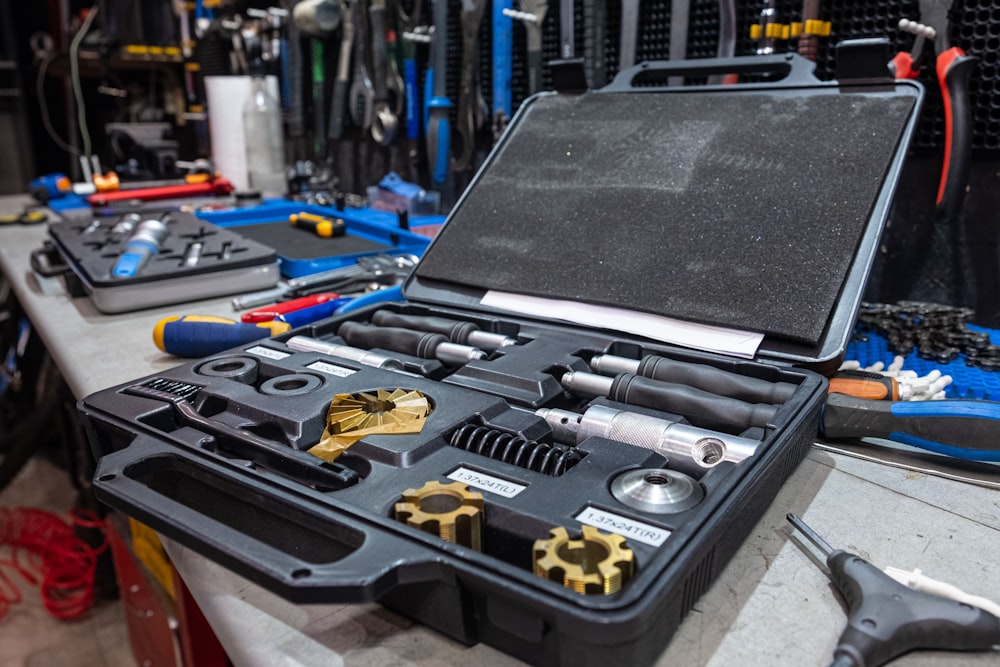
(699,376)
(384,120)
(361,98)
(363,357)
(887,619)
(339,102)
(700,407)
(690,449)
(533,33)
(436,103)
(457,331)
(472,15)
(416,343)
(629,34)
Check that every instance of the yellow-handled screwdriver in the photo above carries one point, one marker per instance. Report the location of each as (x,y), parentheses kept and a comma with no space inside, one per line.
(318,224)
(201,335)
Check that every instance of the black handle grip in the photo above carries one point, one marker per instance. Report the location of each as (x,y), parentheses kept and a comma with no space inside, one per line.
(700,407)
(793,69)
(417,343)
(887,619)
(534,71)
(376,15)
(715,380)
(455,330)
(47,267)
(337,107)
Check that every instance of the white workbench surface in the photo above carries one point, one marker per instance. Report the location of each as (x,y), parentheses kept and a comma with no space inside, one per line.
(771,605)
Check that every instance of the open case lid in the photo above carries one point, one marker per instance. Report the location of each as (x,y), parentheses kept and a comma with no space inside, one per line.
(756,207)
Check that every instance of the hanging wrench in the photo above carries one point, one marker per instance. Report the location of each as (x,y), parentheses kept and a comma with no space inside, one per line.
(394,80)
(384,121)
(336,128)
(472,16)
(436,102)
(629,33)
(533,30)
(362,95)
(408,26)
(502,42)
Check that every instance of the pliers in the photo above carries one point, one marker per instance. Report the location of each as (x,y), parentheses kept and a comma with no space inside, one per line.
(953,69)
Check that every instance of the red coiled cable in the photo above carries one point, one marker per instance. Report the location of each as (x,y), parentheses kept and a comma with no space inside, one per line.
(46,553)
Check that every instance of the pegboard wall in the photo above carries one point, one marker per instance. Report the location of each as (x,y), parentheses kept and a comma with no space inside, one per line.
(974,27)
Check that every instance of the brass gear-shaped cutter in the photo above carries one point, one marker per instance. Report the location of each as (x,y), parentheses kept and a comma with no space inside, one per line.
(450,511)
(596,564)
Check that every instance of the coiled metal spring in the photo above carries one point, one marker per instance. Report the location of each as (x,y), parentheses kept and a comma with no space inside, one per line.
(548,459)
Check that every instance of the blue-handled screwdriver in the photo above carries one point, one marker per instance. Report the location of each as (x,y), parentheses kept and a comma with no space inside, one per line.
(196,336)
(959,428)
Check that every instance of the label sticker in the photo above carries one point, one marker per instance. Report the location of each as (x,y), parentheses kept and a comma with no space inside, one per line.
(331,369)
(485,482)
(267,352)
(628,528)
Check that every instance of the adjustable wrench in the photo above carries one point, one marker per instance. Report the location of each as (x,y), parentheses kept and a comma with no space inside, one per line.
(436,103)
(362,93)
(472,16)
(336,128)
(629,33)
(384,121)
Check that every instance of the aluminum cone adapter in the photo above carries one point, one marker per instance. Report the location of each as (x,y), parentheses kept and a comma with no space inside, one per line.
(657,490)
(450,511)
(596,564)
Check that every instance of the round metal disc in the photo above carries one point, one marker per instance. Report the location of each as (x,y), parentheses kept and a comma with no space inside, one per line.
(657,490)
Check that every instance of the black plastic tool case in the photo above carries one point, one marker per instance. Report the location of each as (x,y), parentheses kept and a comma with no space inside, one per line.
(197,260)
(276,520)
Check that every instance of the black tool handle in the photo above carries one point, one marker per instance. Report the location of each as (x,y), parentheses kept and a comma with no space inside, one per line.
(702,408)
(407,341)
(337,105)
(715,380)
(456,330)
(953,71)
(887,619)
(965,429)
(376,15)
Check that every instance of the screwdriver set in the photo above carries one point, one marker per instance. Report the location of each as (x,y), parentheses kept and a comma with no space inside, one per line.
(563,481)
(131,261)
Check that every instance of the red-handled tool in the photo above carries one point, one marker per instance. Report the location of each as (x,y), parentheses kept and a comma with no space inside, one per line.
(953,68)
(218,186)
(268,313)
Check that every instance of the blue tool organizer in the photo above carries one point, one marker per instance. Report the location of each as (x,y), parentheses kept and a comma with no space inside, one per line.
(376,226)
(869,346)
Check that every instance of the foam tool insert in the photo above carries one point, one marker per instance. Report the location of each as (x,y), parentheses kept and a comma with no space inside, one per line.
(739,209)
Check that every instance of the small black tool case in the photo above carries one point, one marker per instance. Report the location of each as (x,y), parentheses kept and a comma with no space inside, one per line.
(196,260)
(556,503)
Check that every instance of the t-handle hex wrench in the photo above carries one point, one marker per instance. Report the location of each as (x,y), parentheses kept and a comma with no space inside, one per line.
(417,343)
(701,407)
(458,331)
(887,619)
(699,376)
(689,449)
